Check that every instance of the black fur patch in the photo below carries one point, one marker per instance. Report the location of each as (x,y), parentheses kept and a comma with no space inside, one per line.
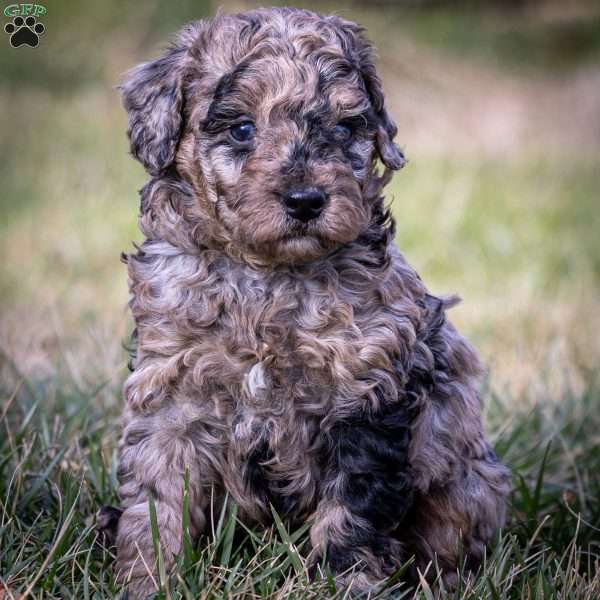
(254,475)
(107,523)
(223,110)
(377,238)
(269,491)
(372,452)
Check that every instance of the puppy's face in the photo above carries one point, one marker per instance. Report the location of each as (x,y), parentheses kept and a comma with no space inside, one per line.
(290,149)
(278,130)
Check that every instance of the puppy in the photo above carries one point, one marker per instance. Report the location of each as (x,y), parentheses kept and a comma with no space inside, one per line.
(287,355)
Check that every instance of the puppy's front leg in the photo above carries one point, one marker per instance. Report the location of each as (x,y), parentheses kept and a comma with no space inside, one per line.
(155,455)
(367,492)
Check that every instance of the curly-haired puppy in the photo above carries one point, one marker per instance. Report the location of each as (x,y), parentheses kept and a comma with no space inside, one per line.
(287,354)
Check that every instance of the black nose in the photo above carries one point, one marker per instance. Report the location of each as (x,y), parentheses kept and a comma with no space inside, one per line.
(305,204)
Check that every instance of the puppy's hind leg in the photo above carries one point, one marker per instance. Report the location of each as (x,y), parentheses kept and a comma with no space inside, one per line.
(459,519)
(460,485)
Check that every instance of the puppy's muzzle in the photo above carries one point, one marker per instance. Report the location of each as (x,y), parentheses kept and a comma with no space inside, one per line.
(304,204)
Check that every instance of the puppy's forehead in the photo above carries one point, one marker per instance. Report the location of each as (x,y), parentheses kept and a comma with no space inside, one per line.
(286,83)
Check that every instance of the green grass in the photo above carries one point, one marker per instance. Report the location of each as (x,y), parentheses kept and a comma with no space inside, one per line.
(514,232)
(58,466)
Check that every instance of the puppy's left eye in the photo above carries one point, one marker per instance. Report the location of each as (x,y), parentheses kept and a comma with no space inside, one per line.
(343,131)
(243,132)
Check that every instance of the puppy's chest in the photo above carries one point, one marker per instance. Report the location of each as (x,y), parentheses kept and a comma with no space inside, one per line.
(275,343)
(278,348)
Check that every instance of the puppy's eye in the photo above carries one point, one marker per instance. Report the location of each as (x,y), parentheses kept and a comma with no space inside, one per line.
(343,131)
(243,132)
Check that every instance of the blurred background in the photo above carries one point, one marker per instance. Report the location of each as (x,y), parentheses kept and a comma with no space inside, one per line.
(498,109)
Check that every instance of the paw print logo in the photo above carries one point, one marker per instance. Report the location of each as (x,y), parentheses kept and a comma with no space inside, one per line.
(24,31)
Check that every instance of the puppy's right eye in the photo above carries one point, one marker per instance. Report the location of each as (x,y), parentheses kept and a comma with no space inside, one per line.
(243,132)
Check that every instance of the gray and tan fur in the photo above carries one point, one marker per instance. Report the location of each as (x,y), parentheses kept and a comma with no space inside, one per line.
(290,361)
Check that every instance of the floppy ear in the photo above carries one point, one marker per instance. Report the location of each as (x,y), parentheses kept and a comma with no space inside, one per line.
(390,154)
(152,96)
(361,51)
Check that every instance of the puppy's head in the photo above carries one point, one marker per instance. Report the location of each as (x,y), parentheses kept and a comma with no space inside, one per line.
(276,119)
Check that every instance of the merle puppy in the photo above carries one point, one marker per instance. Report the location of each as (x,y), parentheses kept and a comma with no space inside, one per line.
(286,353)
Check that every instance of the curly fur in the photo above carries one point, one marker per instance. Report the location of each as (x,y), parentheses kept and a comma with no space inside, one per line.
(303,366)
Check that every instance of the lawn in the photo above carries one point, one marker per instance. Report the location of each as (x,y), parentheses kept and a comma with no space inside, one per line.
(499,203)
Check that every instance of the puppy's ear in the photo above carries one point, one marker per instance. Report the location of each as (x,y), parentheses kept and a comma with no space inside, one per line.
(390,154)
(153,97)
(362,53)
